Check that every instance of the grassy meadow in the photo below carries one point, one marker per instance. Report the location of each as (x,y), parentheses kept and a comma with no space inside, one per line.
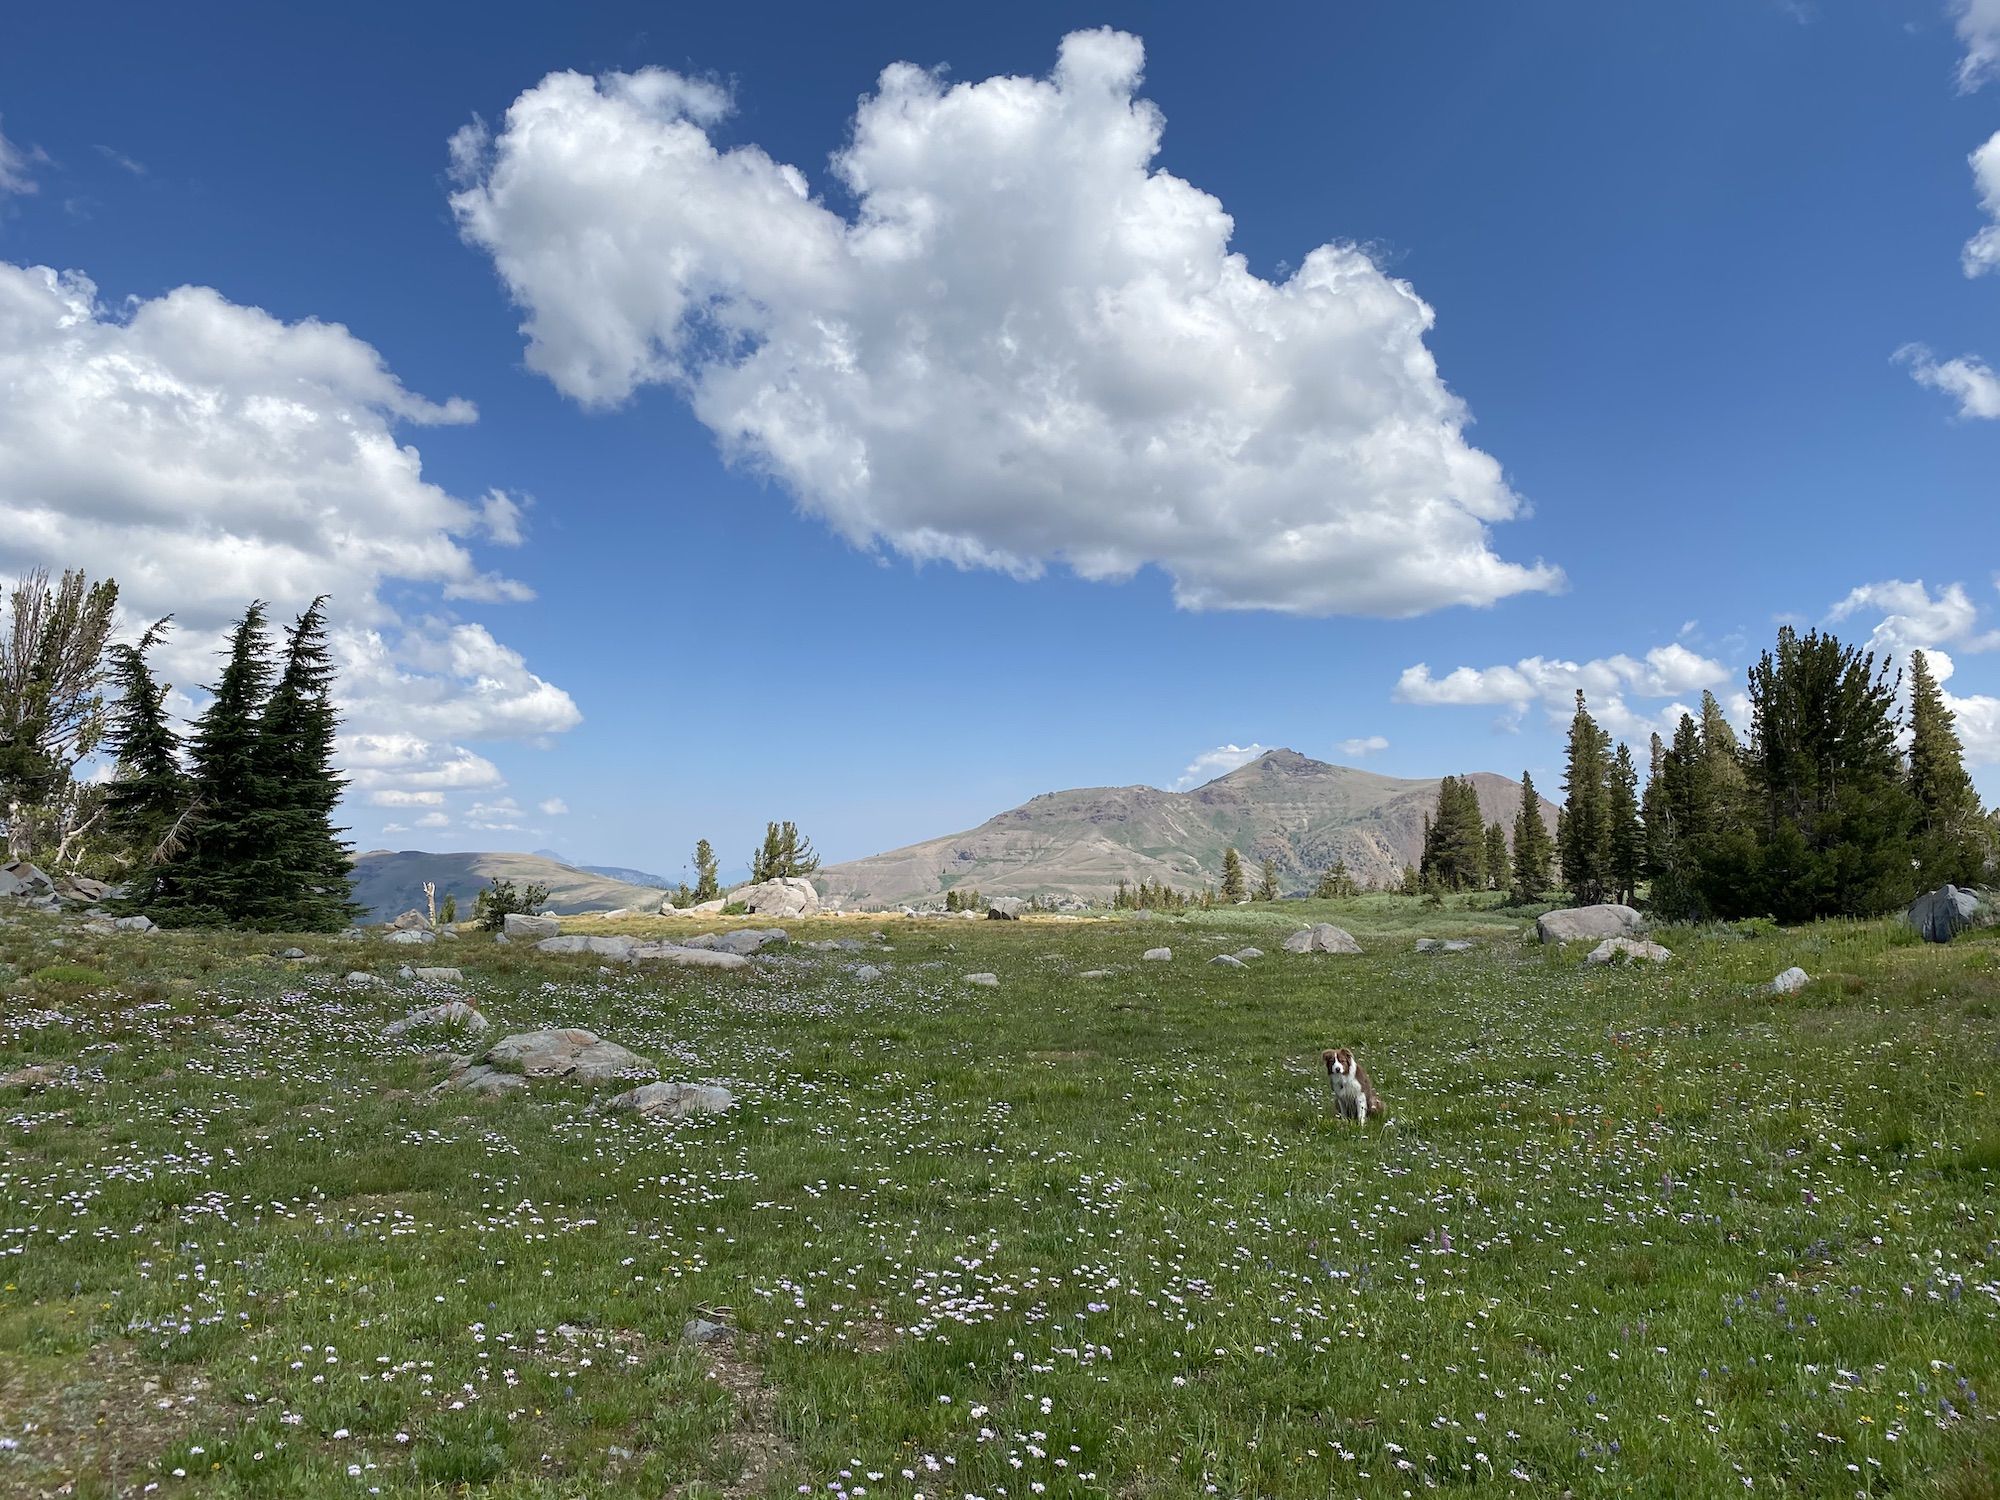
(1629,1231)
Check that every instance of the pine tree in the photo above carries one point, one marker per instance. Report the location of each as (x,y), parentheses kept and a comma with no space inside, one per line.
(309,888)
(785,854)
(149,792)
(1952,831)
(1627,835)
(1829,818)
(1267,884)
(1584,844)
(706,868)
(225,864)
(1233,885)
(1497,856)
(1335,883)
(1531,845)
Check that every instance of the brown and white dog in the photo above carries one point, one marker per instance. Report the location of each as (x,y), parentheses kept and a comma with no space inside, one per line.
(1353,1090)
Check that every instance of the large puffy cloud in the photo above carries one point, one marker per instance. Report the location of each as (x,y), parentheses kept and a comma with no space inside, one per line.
(1978,24)
(1025,347)
(205,453)
(1968,379)
(1982,251)
(1669,671)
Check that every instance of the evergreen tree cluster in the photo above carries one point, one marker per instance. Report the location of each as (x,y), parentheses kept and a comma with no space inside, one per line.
(785,854)
(1455,840)
(1336,882)
(234,828)
(1158,896)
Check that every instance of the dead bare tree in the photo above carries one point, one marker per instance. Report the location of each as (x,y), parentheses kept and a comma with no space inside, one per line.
(51,715)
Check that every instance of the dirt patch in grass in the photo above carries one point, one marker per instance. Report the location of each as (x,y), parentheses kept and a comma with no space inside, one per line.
(754,1440)
(97,1419)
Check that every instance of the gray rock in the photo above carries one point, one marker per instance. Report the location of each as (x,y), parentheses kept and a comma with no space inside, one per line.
(133,924)
(411,921)
(745,940)
(1627,950)
(686,958)
(438,1015)
(29,880)
(360,981)
(1244,955)
(838,945)
(293,953)
(1942,914)
(1227,961)
(1158,955)
(701,1331)
(1324,937)
(566,1052)
(406,972)
(1095,974)
(987,981)
(479,1078)
(867,974)
(1607,920)
(1006,908)
(439,976)
(787,896)
(608,947)
(673,1101)
(518,924)
(11,884)
(699,909)
(502,939)
(410,936)
(1442,945)
(1790,982)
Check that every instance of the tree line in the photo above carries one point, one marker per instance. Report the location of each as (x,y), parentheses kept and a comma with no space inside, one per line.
(229,825)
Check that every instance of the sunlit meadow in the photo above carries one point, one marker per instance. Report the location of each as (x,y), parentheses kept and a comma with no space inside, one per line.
(1629,1231)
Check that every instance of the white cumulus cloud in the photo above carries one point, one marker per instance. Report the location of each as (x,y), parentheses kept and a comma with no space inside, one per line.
(1982,251)
(1607,683)
(1910,617)
(1025,347)
(205,453)
(1968,379)
(1978,24)
(1363,745)
(1220,761)
(553,807)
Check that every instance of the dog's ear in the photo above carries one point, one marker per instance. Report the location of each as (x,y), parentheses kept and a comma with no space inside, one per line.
(1327,1057)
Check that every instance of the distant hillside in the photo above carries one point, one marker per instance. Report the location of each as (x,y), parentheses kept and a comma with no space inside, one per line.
(390,882)
(1301,814)
(612,872)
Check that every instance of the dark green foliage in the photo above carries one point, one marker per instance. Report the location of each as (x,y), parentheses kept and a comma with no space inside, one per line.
(784,854)
(1828,819)
(1234,888)
(1336,883)
(1626,834)
(1151,896)
(1267,882)
(149,791)
(448,910)
(1532,847)
(1454,849)
(706,885)
(1498,859)
(502,899)
(1584,840)
(1953,836)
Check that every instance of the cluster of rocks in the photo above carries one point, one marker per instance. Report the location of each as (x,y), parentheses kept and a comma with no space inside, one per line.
(573,1055)
(1627,950)
(788,897)
(27,885)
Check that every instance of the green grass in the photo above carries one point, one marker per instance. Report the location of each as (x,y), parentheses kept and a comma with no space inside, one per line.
(1632,1232)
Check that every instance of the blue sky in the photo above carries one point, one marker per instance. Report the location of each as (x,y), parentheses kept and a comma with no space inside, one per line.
(882,494)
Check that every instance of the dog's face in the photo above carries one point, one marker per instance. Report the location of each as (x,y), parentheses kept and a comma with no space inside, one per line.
(1340,1063)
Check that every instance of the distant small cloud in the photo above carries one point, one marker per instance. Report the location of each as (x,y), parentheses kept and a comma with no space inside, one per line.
(16,165)
(1217,762)
(1968,379)
(1360,746)
(554,807)
(119,159)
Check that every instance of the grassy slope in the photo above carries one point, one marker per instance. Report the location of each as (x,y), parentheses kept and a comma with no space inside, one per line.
(1633,1232)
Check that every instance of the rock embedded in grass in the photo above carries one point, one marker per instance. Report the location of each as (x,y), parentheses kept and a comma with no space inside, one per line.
(1227,961)
(686,958)
(867,974)
(452,1011)
(566,1052)
(1244,955)
(1323,937)
(1605,920)
(482,1078)
(1157,955)
(411,936)
(988,981)
(673,1101)
(1790,982)
(609,947)
(518,924)
(438,976)
(1618,949)
(744,941)
(1442,945)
